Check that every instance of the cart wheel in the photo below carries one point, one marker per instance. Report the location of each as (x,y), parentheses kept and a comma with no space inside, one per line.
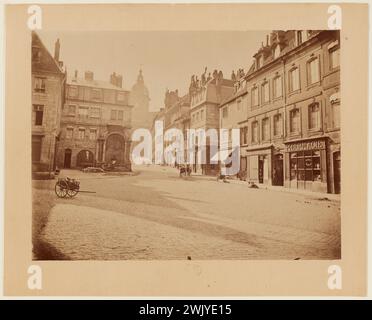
(72,192)
(61,189)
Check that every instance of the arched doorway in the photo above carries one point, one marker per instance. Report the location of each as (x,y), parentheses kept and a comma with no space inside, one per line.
(85,158)
(67,159)
(115,149)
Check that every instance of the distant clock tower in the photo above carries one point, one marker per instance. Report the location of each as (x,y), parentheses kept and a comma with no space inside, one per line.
(140,99)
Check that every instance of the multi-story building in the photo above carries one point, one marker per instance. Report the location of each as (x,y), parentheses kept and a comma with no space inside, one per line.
(291,126)
(205,98)
(176,113)
(95,123)
(48,80)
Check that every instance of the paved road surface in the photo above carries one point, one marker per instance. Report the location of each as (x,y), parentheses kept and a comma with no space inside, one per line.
(157,215)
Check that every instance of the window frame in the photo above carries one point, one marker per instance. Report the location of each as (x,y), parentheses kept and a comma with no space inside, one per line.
(255,89)
(280,79)
(290,81)
(278,117)
(318,125)
(291,112)
(310,82)
(263,85)
(265,122)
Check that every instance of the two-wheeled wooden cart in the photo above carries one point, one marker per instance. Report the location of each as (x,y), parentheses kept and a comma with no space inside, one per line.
(67,187)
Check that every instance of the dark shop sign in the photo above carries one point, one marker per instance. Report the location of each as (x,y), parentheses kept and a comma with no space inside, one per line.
(306,145)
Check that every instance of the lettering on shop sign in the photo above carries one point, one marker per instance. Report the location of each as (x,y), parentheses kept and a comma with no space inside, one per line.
(309,145)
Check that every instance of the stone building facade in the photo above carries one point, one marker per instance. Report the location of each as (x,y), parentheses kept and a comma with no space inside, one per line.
(48,81)
(205,98)
(95,123)
(290,129)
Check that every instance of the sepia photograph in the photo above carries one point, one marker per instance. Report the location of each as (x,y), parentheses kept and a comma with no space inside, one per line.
(271,191)
(186,150)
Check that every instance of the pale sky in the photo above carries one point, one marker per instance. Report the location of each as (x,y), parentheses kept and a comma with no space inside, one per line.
(168,58)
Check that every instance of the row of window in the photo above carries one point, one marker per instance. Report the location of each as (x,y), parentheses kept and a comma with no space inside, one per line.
(81,134)
(93,112)
(314,123)
(197,116)
(313,76)
(95,94)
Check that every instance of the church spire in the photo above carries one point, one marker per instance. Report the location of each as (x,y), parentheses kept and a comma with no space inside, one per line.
(140,77)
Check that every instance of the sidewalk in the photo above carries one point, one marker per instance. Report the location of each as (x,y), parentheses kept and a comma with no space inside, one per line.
(320,195)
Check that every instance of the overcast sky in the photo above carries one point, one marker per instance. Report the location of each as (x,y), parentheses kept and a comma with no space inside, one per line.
(167,58)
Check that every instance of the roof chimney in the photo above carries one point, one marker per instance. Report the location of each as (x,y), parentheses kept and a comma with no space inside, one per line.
(119,81)
(88,75)
(57,47)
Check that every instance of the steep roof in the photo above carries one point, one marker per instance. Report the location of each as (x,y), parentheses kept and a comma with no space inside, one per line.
(42,60)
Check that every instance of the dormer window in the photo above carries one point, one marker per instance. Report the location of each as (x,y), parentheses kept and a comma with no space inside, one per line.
(277,52)
(259,62)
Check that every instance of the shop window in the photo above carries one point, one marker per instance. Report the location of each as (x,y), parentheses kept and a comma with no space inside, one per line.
(277,86)
(37,114)
(294,79)
(265,129)
(255,131)
(313,75)
(314,116)
(278,125)
(294,118)
(305,165)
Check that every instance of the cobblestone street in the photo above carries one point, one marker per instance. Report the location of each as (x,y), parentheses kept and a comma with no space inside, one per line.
(154,214)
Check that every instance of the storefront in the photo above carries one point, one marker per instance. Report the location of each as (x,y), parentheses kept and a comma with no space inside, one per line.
(259,164)
(306,164)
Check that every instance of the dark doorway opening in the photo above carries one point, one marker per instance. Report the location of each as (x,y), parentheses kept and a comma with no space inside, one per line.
(337,171)
(261,163)
(67,161)
(278,177)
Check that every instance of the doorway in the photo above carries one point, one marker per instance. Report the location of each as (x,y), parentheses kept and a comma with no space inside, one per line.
(337,171)
(67,161)
(261,164)
(278,177)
